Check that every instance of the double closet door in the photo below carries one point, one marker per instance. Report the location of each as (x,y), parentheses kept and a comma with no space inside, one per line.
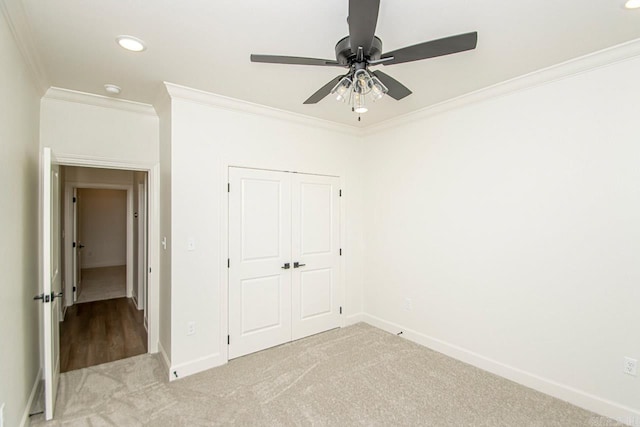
(283,257)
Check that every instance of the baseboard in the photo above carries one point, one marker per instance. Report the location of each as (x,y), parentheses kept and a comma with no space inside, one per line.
(564,392)
(165,359)
(101,264)
(198,365)
(353,319)
(25,415)
(135,301)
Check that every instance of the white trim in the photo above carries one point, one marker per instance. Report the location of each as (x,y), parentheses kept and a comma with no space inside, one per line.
(602,58)
(354,318)
(68,95)
(18,24)
(153,215)
(102,162)
(25,414)
(152,317)
(197,365)
(223,202)
(561,391)
(165,360)
(224,102)
(109,263)
(69,186)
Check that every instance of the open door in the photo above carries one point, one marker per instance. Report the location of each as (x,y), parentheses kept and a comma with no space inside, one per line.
(51,279)
(77,247)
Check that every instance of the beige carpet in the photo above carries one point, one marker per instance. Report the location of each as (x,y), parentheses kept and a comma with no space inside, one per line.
(103,283)
(358,375)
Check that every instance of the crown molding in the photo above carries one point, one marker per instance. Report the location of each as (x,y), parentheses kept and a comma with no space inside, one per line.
(224,102)
(586,63)
(18,24)
(68,95)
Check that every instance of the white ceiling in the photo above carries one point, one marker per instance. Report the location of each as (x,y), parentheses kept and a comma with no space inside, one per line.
(205,44)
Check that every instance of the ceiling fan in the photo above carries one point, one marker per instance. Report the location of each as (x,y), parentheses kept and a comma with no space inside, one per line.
(361,49)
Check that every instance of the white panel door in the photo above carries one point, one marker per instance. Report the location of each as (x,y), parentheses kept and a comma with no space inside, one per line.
(51,279)
(315,254)
(259,248)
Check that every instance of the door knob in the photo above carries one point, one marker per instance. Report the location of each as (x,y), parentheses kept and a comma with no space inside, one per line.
(80,246)
(286,266)
(297,264)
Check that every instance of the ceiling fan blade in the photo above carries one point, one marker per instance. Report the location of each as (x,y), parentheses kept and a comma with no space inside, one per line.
(396,89)
(295,60)
(433,48)
(363,18)
(323,91)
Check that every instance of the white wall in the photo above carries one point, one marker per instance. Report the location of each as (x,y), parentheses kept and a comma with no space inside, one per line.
(103,227)
(106,131)
(513,226)
(19,165)
(204,139)
(164,114)
(86,129)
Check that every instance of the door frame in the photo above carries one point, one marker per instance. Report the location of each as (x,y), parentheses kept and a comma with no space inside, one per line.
(153,236)
(224,243)
(142,249)
(69,188)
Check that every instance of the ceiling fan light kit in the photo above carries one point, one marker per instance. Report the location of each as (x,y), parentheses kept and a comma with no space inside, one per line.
(355,93)
(360,50)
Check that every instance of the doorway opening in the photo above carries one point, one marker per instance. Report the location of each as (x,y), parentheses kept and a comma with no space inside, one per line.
(105,266)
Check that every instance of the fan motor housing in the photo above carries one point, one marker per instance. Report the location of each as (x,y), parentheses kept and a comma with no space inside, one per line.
(345,56)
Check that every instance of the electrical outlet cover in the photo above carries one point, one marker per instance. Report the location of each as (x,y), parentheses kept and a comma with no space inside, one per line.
(630,366)
(191,328)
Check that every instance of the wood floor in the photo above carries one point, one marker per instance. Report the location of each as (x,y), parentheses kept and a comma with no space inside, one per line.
(100,332)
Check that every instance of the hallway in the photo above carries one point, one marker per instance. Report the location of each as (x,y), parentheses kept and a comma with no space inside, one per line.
(99,332)
(103,283)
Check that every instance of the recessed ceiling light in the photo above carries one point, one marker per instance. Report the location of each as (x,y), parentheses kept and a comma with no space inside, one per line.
(131,43)
(632,4)
(112,89)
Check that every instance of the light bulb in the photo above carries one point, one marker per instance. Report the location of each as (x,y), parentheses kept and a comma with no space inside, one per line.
(377,88)
(341,89)
(358,103)
(363,81)
(632,4)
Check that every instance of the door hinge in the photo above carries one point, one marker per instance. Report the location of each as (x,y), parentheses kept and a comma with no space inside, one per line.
(340,251)
(340,193)
(228,187)
(228,339)
(149,269)
(75,289)
(74,200)
(340,310)
(228,263)
(74,244)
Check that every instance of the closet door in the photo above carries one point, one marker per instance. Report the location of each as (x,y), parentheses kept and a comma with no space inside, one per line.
(315,249)
(259,248)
